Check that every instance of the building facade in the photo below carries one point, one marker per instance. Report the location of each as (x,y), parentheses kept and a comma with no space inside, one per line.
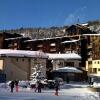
(19,64)
(75,39)
(93,51)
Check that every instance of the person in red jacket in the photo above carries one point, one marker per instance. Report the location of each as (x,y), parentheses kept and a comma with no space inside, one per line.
(16,85)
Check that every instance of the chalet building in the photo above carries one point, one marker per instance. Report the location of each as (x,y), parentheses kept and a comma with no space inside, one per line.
(20,64)
(93,54)
(54,45)
(48,45)
(15,43)
(73,40)
(12,41)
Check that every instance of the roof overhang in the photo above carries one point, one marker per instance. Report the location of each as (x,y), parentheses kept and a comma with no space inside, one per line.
(64,56)
(22,53)
(71,41)
(68,70)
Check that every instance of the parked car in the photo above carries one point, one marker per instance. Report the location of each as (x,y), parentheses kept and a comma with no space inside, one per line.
(24,84)
(33,83)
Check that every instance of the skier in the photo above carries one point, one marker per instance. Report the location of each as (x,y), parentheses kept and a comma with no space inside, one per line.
(12,86)
(16,85)
(56,87)
(39,86)
(92,81)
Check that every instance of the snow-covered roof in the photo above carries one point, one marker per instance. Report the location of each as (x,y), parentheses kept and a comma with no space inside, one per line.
(72,41)
(22,53)
(13,38)
(26,53)
(84,24)
(41,39)
(44,39)
(64,56)
(91,34)
(68,69)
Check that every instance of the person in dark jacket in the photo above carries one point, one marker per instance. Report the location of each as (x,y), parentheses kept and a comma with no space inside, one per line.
(39,86)
(12,86)
(56,87)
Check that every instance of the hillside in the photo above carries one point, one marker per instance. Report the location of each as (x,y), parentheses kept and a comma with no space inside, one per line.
(94,26)
(38,33)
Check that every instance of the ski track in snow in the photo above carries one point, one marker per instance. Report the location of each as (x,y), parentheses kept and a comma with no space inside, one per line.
(69,92)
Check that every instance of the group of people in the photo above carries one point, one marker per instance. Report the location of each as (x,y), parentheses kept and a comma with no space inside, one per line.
(14,84)
(38,86)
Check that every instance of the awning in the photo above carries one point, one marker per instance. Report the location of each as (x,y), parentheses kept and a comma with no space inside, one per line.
(22,53)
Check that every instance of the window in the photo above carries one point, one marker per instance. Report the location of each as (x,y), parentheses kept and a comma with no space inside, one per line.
(69,63)
(52,44)
(94,70)
(17,59)
(23,59)
(15,44)
(98,69)
(40,45)
(53,49)
(89,62)
(90,70)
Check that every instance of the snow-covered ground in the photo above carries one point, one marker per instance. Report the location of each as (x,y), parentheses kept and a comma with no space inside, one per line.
(73,91)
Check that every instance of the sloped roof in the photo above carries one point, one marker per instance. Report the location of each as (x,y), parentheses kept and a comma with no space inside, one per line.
(38,54)
(22,53)
(71,41)
(68,69)
(64,56)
